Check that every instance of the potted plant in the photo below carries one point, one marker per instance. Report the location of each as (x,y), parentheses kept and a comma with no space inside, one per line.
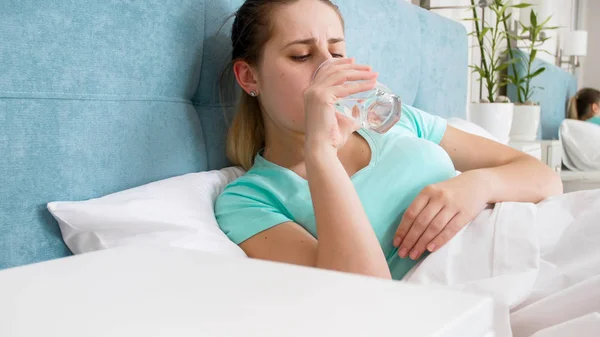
(526,117)
(494,113)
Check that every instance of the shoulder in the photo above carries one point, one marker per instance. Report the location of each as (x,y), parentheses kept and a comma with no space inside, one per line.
(421,124)
(250,187)
(249,205)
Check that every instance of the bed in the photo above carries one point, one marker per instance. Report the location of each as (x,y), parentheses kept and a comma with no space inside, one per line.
(558,87)
(579,181)
(102,97)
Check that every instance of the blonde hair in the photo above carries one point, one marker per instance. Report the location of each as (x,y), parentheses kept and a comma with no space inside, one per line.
(246,134)
(250,32)
(580,105)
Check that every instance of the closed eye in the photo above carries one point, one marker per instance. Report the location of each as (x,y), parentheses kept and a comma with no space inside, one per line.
(301,58)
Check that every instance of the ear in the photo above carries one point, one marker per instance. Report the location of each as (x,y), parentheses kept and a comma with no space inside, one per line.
(246,76)
(596,109)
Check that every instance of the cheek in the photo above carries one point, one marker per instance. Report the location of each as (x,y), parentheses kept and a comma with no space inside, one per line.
(284,90)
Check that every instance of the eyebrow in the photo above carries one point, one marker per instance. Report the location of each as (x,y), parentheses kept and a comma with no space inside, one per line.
(312,41)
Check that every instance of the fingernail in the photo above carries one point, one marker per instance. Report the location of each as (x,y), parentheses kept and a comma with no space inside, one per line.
(431,247)
(397,242)
(414,254)
(403,252)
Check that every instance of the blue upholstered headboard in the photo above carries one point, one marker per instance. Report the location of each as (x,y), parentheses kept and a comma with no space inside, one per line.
(97,97)
(557,87)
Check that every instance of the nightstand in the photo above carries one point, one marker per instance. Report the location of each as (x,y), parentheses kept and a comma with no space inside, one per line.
(532,148)
(547,151)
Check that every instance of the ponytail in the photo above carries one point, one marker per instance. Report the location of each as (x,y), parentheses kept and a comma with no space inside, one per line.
(572,111)
(246,134)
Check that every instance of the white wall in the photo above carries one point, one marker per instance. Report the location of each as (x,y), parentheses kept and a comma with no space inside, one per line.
(590,68)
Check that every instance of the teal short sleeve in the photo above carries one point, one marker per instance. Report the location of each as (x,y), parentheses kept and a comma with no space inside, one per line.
(595,120)
(422,124)
(242,213)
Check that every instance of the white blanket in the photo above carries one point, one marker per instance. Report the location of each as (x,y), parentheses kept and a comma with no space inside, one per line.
(540,262)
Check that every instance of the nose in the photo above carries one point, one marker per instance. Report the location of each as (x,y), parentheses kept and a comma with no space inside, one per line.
(322,59)
(324,56)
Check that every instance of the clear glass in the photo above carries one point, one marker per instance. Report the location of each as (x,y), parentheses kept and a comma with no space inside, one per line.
(377,109)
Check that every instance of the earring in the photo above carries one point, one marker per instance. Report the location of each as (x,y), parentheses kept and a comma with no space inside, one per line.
(253,93)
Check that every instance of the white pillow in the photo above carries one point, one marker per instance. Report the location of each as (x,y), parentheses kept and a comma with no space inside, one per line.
(581,145)
(471,127)
(177,211)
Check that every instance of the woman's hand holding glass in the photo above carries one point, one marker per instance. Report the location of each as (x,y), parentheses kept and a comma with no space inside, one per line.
(337,79)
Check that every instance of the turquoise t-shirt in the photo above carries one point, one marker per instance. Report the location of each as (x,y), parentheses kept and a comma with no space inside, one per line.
(403,161)
(595,120)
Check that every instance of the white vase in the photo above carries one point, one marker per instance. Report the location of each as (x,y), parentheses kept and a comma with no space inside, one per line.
(526,120)
(496,118)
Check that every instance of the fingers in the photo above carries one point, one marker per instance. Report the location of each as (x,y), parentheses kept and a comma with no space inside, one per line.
(336,65)
(419,226)
(347,125)
(352,88)
(452,228)
(347,75)
(437,225)
(409,217)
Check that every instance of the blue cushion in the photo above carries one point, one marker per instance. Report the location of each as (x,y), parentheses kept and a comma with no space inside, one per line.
(94,98)
(100,97)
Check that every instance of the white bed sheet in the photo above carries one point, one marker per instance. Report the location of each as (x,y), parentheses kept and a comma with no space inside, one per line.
(541,263)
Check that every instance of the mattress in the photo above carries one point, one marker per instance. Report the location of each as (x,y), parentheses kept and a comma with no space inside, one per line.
(580,180)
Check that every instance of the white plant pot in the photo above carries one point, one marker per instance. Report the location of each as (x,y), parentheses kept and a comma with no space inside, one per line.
(496,118)
(526,120)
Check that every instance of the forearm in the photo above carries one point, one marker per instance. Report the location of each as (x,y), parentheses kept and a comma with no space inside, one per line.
(346,240)
(524,179)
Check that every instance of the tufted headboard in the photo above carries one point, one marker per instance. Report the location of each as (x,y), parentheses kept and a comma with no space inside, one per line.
(102,96)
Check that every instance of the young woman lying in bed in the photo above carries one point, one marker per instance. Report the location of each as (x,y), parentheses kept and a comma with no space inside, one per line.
(321,192)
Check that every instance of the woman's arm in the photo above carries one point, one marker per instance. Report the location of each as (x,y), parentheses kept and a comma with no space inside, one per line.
(346,239)
(492,173)
(504,173)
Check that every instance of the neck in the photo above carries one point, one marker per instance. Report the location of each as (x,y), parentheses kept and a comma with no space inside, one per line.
(283,147)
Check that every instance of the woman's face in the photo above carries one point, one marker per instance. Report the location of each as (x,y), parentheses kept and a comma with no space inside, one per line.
(305,34)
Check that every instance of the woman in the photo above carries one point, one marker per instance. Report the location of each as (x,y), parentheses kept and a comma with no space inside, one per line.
(585,106)
(377,203)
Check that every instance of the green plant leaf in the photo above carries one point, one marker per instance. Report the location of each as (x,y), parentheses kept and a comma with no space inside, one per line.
(485,30)
(547,52)
(502,67)
(533,18)
(545,21)
(536,73)
(514,37)
(521,5)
